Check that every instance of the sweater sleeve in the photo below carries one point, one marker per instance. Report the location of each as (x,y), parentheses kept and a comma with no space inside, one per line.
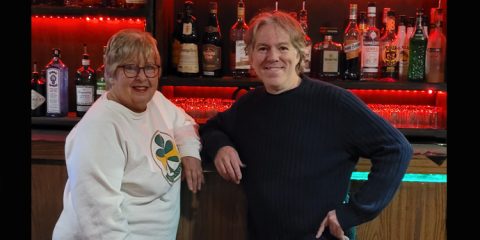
(368,135)
(95,164)
(185,129)
(216,131)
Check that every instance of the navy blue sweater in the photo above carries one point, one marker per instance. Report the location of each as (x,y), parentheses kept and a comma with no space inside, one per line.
(300,148)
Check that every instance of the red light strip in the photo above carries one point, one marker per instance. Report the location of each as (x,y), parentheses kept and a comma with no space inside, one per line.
(95,19)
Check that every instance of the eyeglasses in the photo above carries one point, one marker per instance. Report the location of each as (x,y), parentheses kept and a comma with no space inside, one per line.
(132,70)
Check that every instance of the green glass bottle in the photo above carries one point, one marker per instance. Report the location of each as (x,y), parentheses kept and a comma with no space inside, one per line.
(418,46)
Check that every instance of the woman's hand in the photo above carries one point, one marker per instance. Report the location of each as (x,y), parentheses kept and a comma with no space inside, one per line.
(193,173)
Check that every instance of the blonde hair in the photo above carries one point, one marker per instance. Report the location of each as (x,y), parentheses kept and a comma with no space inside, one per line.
(283,20)
(128,45)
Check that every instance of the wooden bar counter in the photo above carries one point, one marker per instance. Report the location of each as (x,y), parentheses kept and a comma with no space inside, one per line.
(218,211)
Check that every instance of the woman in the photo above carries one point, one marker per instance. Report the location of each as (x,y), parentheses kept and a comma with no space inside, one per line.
(295,142)
(126,155)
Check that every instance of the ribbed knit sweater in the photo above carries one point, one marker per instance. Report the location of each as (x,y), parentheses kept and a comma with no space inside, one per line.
(300,148)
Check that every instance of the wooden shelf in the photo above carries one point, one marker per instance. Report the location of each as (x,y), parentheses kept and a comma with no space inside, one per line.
(228,81)
(67,123)
(84,11)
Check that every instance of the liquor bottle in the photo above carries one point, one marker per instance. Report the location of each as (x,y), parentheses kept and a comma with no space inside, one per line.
(176,45)
(212,45)
(383,28)
(188,64)
(370,50)
(38,104)
(239,63)
(389,51)
(402,48)
(425,25)
(328,58)
(351,43)
(84,84)
(362,27)
(303,19)
(57,86)
(403,64)
(135,4)
(101,84)
(417,54)
(433,18)
(436,52)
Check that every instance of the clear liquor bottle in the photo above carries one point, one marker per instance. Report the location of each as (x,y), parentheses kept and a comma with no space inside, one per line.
(303,19)
(38,91)
(402,49)
(239,63)
(389,52)
(212,45)
(436,52)
(370,51)
(417,54)
(188,62)
(351,43)
(328,59)
(57,86)
(100,75)
(85,84)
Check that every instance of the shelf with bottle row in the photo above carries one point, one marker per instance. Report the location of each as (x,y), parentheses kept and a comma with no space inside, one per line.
(45,10)
(228,81)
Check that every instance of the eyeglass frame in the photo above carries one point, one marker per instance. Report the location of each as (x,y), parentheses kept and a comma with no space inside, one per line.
(138,70)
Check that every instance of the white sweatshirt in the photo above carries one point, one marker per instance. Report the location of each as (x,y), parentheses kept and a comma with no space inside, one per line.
(124,171)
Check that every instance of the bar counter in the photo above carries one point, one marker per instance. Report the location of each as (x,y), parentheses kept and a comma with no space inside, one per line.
(217,212)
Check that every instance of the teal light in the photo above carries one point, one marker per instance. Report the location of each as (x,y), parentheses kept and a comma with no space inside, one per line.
(409,177)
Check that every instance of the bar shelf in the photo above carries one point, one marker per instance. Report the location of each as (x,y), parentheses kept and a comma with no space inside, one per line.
(228,81)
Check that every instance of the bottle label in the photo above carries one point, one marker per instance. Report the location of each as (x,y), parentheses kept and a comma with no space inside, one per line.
(240,12)
(188,62)
(136,1)
(37,99)
(53,90)
(176,47)
(241,57)
(187,29)
(308,58)
(85,95)
(370,56)
(390,55)
(85,62)
(330,61)
(212,57)
(211,29)
(352,49)
(101,86)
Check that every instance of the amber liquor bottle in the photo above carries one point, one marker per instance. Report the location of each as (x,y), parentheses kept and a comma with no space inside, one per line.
(389,51)
(188,62)
(212,45)
(351,48)
(85,84)
(239,63)
(38,104)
